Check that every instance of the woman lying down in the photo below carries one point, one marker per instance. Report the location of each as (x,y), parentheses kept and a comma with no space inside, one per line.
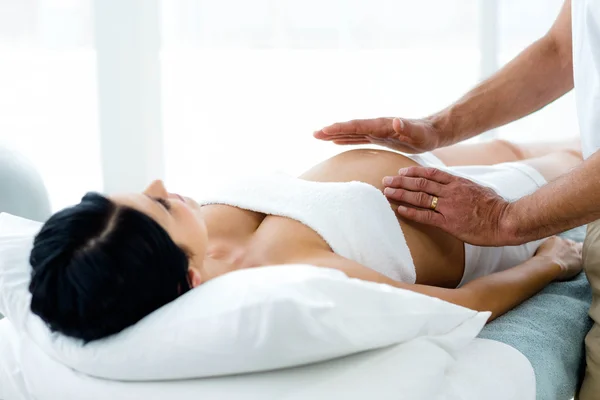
(105,263)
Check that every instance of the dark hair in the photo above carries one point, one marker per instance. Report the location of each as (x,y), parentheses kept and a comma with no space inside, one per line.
(99,267)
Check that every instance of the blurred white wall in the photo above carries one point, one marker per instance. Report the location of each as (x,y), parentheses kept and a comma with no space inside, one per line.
(244,83)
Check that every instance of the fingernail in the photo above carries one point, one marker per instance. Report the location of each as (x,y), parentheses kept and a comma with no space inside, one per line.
(401,171)
(401,123)
(401,209)
(389,191)
(388,180)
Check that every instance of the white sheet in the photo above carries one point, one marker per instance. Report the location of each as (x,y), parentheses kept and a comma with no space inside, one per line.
(12,383)
(415,370)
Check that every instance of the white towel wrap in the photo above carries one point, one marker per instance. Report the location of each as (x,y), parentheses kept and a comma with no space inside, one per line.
(354,218)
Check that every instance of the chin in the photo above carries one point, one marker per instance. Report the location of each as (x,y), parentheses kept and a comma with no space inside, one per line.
(191,202)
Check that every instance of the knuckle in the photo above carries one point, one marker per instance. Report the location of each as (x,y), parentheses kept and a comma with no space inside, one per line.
(461,181)
(421,183)
(411,170)
(415,215)
(359,124)
(404,210)
(397,181)
(430,172)
(422,199)
(427,216)
(399,194)
(392,193)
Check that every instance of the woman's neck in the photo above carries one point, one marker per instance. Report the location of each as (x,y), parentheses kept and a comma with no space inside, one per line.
(221,257)
(213,268)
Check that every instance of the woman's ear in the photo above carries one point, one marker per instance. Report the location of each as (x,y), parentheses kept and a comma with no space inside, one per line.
(194,277)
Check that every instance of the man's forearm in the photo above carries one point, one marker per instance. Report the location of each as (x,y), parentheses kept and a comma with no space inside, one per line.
(539,75)
(567,202)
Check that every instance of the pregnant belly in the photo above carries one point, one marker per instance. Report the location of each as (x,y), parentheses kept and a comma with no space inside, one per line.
(438,256)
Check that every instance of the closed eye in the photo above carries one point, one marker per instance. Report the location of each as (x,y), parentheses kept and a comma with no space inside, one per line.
(163,202)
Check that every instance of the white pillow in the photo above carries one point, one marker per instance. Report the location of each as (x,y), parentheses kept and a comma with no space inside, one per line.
(250,320)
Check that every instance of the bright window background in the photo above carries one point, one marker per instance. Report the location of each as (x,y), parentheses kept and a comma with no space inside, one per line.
(243,90)
(48,106)
(520,24)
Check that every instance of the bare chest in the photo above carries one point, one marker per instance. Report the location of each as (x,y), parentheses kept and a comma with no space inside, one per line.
(277,240)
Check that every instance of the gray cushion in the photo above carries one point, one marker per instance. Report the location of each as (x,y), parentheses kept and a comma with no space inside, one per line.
(22,190)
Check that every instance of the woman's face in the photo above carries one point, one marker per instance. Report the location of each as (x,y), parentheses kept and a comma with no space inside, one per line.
(180,217)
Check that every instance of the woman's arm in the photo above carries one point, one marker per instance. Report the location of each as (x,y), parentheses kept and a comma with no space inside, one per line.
(557,259)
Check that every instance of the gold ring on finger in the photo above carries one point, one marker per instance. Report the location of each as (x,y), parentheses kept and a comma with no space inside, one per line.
(434,203)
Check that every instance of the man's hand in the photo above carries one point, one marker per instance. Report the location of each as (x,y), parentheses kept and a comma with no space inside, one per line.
(471,212)
(408,136)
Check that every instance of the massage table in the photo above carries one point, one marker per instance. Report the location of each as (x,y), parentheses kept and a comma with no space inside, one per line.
(403,371)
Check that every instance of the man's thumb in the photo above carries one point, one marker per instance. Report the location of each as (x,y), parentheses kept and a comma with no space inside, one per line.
(398,125)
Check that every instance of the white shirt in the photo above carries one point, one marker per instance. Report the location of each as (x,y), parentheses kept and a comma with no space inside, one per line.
(586,68)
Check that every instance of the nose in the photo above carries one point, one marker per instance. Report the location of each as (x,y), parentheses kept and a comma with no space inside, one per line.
(157,189)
